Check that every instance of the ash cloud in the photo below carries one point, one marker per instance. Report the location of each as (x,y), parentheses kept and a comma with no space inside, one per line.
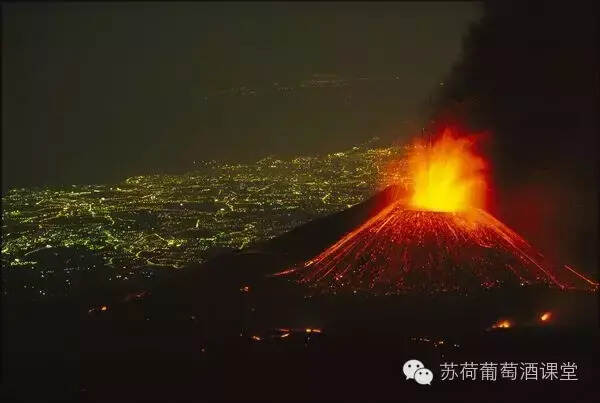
(529,75)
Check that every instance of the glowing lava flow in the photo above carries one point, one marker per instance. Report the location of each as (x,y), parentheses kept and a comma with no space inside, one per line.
(449,176)
(401,250)
(436,241)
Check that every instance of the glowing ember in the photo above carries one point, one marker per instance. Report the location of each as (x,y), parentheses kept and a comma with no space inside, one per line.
(502,324)
(448,176)
(104,308)
(581,276)
(546,316)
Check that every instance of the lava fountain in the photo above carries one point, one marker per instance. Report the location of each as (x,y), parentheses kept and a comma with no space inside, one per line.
(439,239)
(449,176)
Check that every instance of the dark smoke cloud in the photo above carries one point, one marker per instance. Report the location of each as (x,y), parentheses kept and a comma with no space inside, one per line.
(529,76)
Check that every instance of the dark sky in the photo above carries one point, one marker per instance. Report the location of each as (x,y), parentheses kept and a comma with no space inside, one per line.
(98,92)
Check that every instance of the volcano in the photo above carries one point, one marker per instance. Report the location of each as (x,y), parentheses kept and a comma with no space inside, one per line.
(404,250)
(439,239)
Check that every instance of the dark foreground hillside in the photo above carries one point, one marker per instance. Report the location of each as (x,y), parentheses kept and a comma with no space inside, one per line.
(227,331)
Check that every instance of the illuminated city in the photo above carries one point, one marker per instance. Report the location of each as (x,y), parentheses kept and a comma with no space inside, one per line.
(170,221)
(299,201)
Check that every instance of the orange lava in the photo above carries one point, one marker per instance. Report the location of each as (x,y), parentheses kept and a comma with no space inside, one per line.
(437,239)
(402,250)
(581,276)
(502,324)
(447,176)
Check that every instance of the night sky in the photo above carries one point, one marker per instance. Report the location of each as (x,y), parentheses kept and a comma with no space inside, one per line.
(98,92)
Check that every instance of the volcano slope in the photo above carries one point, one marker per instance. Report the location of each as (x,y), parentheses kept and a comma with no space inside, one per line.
(215,322)
(402,250)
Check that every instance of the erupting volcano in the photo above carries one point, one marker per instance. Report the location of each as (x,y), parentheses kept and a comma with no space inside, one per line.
(436,240)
